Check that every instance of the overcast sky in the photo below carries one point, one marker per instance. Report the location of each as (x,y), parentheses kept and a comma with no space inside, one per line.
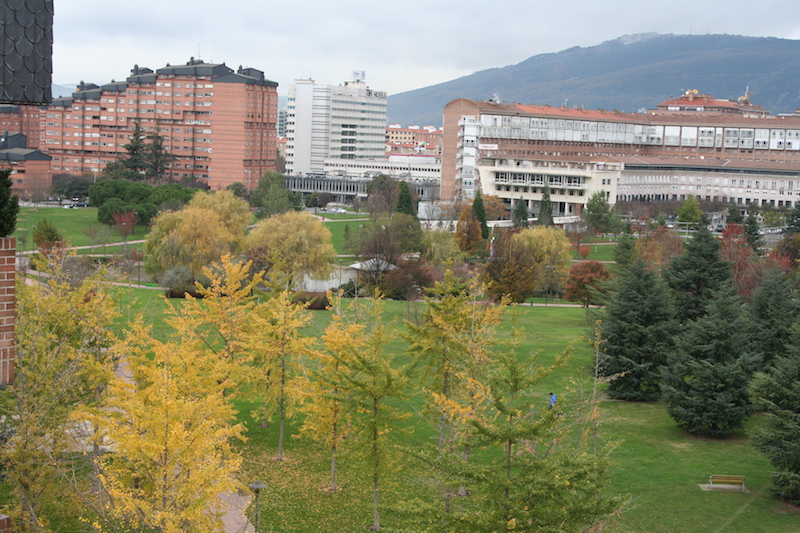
(401,45)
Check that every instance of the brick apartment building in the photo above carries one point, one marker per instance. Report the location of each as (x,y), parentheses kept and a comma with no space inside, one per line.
(220,124)
(413,140)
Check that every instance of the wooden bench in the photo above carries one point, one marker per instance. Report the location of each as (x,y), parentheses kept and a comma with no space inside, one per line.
(726,480)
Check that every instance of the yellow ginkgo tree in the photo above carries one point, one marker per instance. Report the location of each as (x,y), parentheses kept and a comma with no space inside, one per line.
(170,429)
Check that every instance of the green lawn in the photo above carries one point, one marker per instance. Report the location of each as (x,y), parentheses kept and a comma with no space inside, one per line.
(597,252)
(77,226)
(337,231)
(656,465)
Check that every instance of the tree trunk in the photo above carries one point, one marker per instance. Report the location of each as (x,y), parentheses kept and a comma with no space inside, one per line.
(376,516)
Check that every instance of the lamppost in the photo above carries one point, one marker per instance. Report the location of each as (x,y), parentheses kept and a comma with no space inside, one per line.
(256,487)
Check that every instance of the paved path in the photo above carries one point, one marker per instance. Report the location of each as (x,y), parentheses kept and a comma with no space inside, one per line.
(234,519)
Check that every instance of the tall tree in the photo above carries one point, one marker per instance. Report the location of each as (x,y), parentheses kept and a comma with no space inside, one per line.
(278,347)
(136,158)
(519,217)
(659,247)
(545,208)
(638,329)
(793,220)
(479,211)
(689,211)
(539,478)
(746,267)
(191,239)
(625,251)
(172,430)
(597,212)
(704,383)
(328,420)
(290,246)
(157,158)
(405,202)
(752,231)
(468,231)
(512,269)
(382,194)
(271,196)
(776,392)
(370,386)
(549,246)
(9,204)
(61,340)
(774,314)
(585,283)
(696,274)
(734,215)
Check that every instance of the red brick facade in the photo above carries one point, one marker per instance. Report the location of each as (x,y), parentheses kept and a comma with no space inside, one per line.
(8,252)
(5,524)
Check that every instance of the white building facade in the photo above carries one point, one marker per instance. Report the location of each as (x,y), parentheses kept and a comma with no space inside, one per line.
(345,122)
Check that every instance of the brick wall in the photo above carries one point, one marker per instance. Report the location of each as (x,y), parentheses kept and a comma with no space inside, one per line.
(8,250)
(5,524)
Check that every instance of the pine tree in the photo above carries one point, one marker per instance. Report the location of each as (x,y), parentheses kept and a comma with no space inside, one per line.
(776,392)
(774,314)
(638,329)
(545,208)
(625,252)
(136,158)
(751,231)
(734,215)
(9,204)
(696,274)
(704,383)
(405,203)
(519,217)
(157,158)
(479,211)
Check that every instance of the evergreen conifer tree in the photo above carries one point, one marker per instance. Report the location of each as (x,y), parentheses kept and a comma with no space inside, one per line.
(704,383)
(696,274)
(637,330)
(734,215)
(519,217)
(405,203)
(774,313)
(9,204)
(546,208)
(751,229)
(625,252)
(777,393)
(479,210)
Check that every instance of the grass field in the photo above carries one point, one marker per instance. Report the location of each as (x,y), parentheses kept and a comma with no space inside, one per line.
(655,464)
(597,252)
(75,225)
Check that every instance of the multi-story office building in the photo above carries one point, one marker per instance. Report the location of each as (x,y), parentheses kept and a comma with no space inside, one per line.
(346,121)
(512,150)
(219,124)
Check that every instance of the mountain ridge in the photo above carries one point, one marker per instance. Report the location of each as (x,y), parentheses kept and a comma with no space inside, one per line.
(630,73)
